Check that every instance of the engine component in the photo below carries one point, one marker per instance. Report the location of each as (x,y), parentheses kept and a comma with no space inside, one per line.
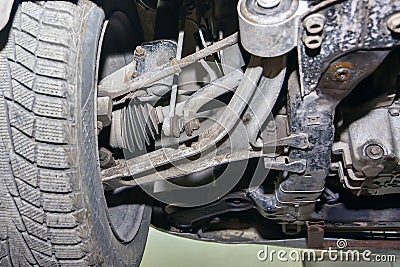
(225,84)
(371,157)
(268,29)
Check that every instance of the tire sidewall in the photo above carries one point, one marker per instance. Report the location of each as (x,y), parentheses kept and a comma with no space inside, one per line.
(110,251)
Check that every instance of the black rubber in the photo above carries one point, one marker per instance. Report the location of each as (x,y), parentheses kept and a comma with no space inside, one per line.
(52,206)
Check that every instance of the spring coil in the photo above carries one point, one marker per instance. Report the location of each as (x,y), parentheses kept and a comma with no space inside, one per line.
(134,126)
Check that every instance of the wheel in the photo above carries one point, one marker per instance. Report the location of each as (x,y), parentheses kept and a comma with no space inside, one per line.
(53,210)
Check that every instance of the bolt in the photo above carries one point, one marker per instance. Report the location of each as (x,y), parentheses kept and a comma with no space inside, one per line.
(393,23)
(374,151)
(246,118)
(190,126)
(268,3)
(135,74)
(342,74)
(140,52)
(271,126)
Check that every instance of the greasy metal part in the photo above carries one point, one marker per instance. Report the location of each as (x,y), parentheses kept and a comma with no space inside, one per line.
(269,32)
(314,116)
(264,98)
(213,90)
(296,195)
(211,136)
(147,57)
(350,26)
(121,175)
(186,112)
(315,234)
(166,70)
(233,202)
(371,157)
(231,58)
(136,124)
(5,12)
(150,56)
(140,52)
(294,140)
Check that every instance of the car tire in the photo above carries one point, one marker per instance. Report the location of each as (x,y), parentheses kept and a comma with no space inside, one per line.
(53,210)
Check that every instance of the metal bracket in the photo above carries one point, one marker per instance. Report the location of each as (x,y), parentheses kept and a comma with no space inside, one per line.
(282,164)
(299,140)
(315,234)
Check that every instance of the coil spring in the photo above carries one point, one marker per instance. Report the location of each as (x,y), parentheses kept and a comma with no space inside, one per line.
(134,126)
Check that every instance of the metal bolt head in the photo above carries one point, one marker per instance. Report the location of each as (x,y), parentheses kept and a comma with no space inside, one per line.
(374,151)
(342,74)
(268,3)
(140,51)
(393,23)
(271,126)
(135,74)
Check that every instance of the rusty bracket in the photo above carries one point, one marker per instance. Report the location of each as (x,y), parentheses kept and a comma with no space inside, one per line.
(297,140)
(315,234)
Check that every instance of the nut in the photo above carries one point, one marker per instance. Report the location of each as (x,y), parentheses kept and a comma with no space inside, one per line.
(140,51)
(374,151)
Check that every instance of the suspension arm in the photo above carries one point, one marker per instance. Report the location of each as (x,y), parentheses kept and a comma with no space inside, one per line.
(175,66)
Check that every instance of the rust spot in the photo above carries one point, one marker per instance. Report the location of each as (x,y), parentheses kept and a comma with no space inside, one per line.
(339,65)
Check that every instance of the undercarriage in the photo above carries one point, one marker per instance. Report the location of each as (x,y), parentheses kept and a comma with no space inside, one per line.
(262,121)
(304,131)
